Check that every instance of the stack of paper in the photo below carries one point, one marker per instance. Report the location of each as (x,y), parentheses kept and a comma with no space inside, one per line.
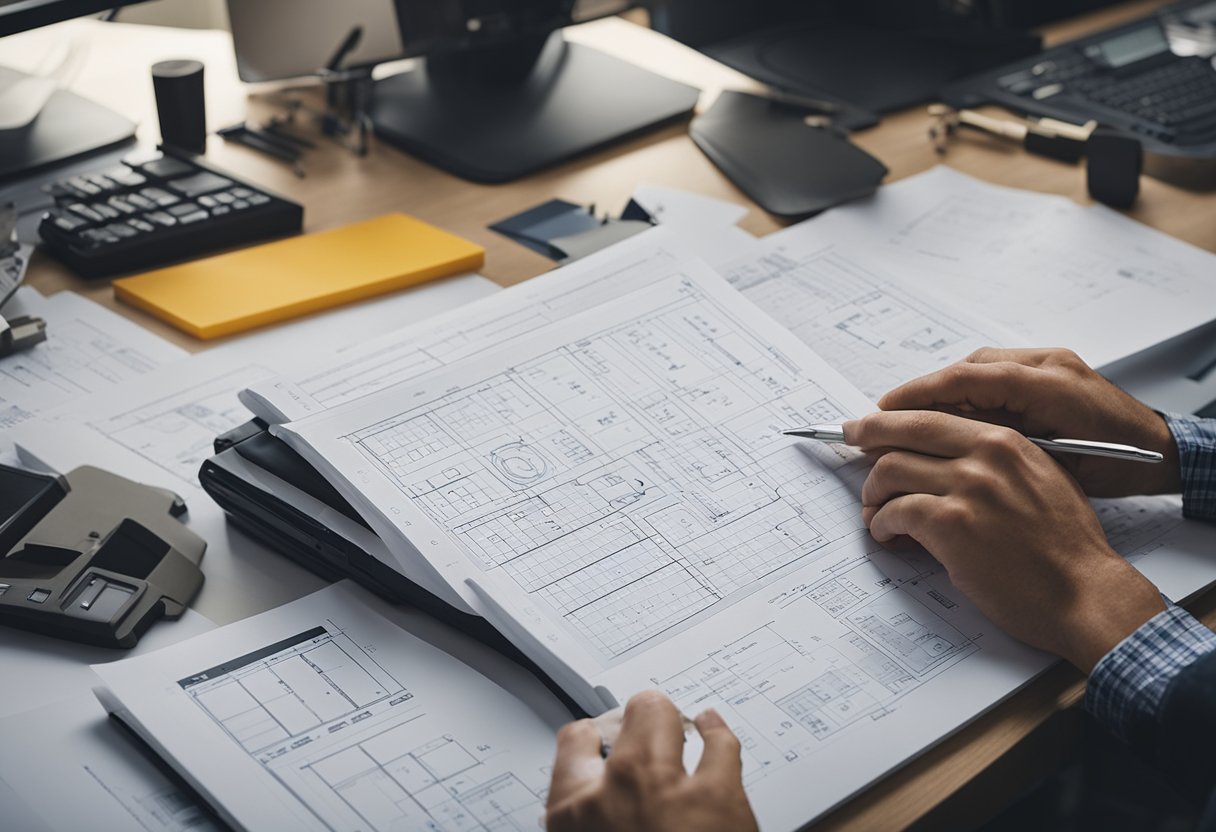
(593,462)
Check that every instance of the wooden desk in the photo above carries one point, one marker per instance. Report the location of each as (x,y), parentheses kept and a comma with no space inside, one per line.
(963,780)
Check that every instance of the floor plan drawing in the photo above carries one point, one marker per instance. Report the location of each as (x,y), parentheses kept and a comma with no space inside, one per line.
(338,730)
(875,333)
(177,431)
(631,479)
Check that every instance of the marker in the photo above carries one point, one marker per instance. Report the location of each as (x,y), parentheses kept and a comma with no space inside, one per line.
(834,435)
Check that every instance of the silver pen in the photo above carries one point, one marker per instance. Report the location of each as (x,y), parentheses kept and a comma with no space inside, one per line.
(834,435)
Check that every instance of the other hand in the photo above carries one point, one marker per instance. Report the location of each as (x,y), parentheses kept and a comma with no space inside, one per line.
(1012,528)
(642,785)
(1052,393)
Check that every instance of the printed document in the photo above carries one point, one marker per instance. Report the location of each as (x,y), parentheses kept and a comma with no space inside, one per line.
(325,715)
(1054,272)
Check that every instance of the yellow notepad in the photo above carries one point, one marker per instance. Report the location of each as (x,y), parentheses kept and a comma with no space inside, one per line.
(256,286)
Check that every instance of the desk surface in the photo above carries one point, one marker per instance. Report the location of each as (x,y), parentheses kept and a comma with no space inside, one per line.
(957,783)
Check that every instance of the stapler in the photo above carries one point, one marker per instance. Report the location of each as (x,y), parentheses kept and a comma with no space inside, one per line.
(93,557)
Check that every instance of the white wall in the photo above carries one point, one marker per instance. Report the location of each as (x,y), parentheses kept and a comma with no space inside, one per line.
(194,14)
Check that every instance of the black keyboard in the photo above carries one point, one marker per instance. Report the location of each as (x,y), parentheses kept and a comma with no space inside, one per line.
(1176,100)
(1125,78)
(154,209)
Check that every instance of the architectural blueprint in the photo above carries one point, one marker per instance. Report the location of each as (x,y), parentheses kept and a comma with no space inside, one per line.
(615,492)
(848,309)
(627,473)
(325,714)
(409,352)
(88,348)
(1051,271)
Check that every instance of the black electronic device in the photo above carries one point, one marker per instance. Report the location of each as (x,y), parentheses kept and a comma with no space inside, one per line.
(156,208)
(1129,78)
(93,557)
(866,56)
(501,94)
(789,167)
(67,125)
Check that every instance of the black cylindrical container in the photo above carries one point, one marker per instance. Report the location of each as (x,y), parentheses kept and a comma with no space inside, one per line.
(179,104)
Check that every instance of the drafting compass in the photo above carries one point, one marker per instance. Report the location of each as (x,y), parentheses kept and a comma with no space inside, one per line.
(23,331)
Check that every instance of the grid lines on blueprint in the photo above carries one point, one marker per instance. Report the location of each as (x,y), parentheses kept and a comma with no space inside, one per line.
(633,479)
(330,722)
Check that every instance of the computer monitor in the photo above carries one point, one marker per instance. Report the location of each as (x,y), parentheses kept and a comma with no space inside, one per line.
(498,94)
(66,125)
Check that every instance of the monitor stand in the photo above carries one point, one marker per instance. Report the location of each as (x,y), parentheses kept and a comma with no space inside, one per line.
(495,118)
(67,126)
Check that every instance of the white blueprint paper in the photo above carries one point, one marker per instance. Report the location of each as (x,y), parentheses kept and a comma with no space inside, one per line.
(71,747)
(414,351)
(1054,272)
(854,311)
(325,715)
(88,348)
(615,492)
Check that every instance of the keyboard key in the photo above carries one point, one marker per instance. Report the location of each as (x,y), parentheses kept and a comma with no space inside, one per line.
(220,210)
(84,211)
(104,183)
(166,167)
(224,198)
(208,201)
(160,197)
(65,221)
(183,208)
(105,210)
(121,205)
(259,199)
(98,236)
(121,229)
(242,193)
(126,177)
(62,190)
(141,225)
(201,183)
(82,185)
(140,201)
(161,218)
(239,205)
(197,216)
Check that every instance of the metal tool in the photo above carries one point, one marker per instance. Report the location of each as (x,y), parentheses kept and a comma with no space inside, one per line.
(1044,136)
(834,435)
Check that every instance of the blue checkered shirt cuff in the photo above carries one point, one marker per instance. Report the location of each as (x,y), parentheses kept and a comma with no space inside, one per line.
(1127,685)
(1196,439)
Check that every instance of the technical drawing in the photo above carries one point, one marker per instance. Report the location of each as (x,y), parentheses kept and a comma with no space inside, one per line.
(630,481)
(177,432)
(331,724)
(874,333)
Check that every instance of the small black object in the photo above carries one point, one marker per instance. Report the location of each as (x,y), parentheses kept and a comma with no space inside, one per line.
(180,104)
(1113,162)
(790,168)
(157,208)
(93,557)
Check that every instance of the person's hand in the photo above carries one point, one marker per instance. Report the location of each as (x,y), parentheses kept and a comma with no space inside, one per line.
(1053,394)
(1012,528)
(642,786)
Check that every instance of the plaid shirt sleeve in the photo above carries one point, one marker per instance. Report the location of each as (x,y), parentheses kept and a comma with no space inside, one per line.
(1127,685)
(1196,440)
